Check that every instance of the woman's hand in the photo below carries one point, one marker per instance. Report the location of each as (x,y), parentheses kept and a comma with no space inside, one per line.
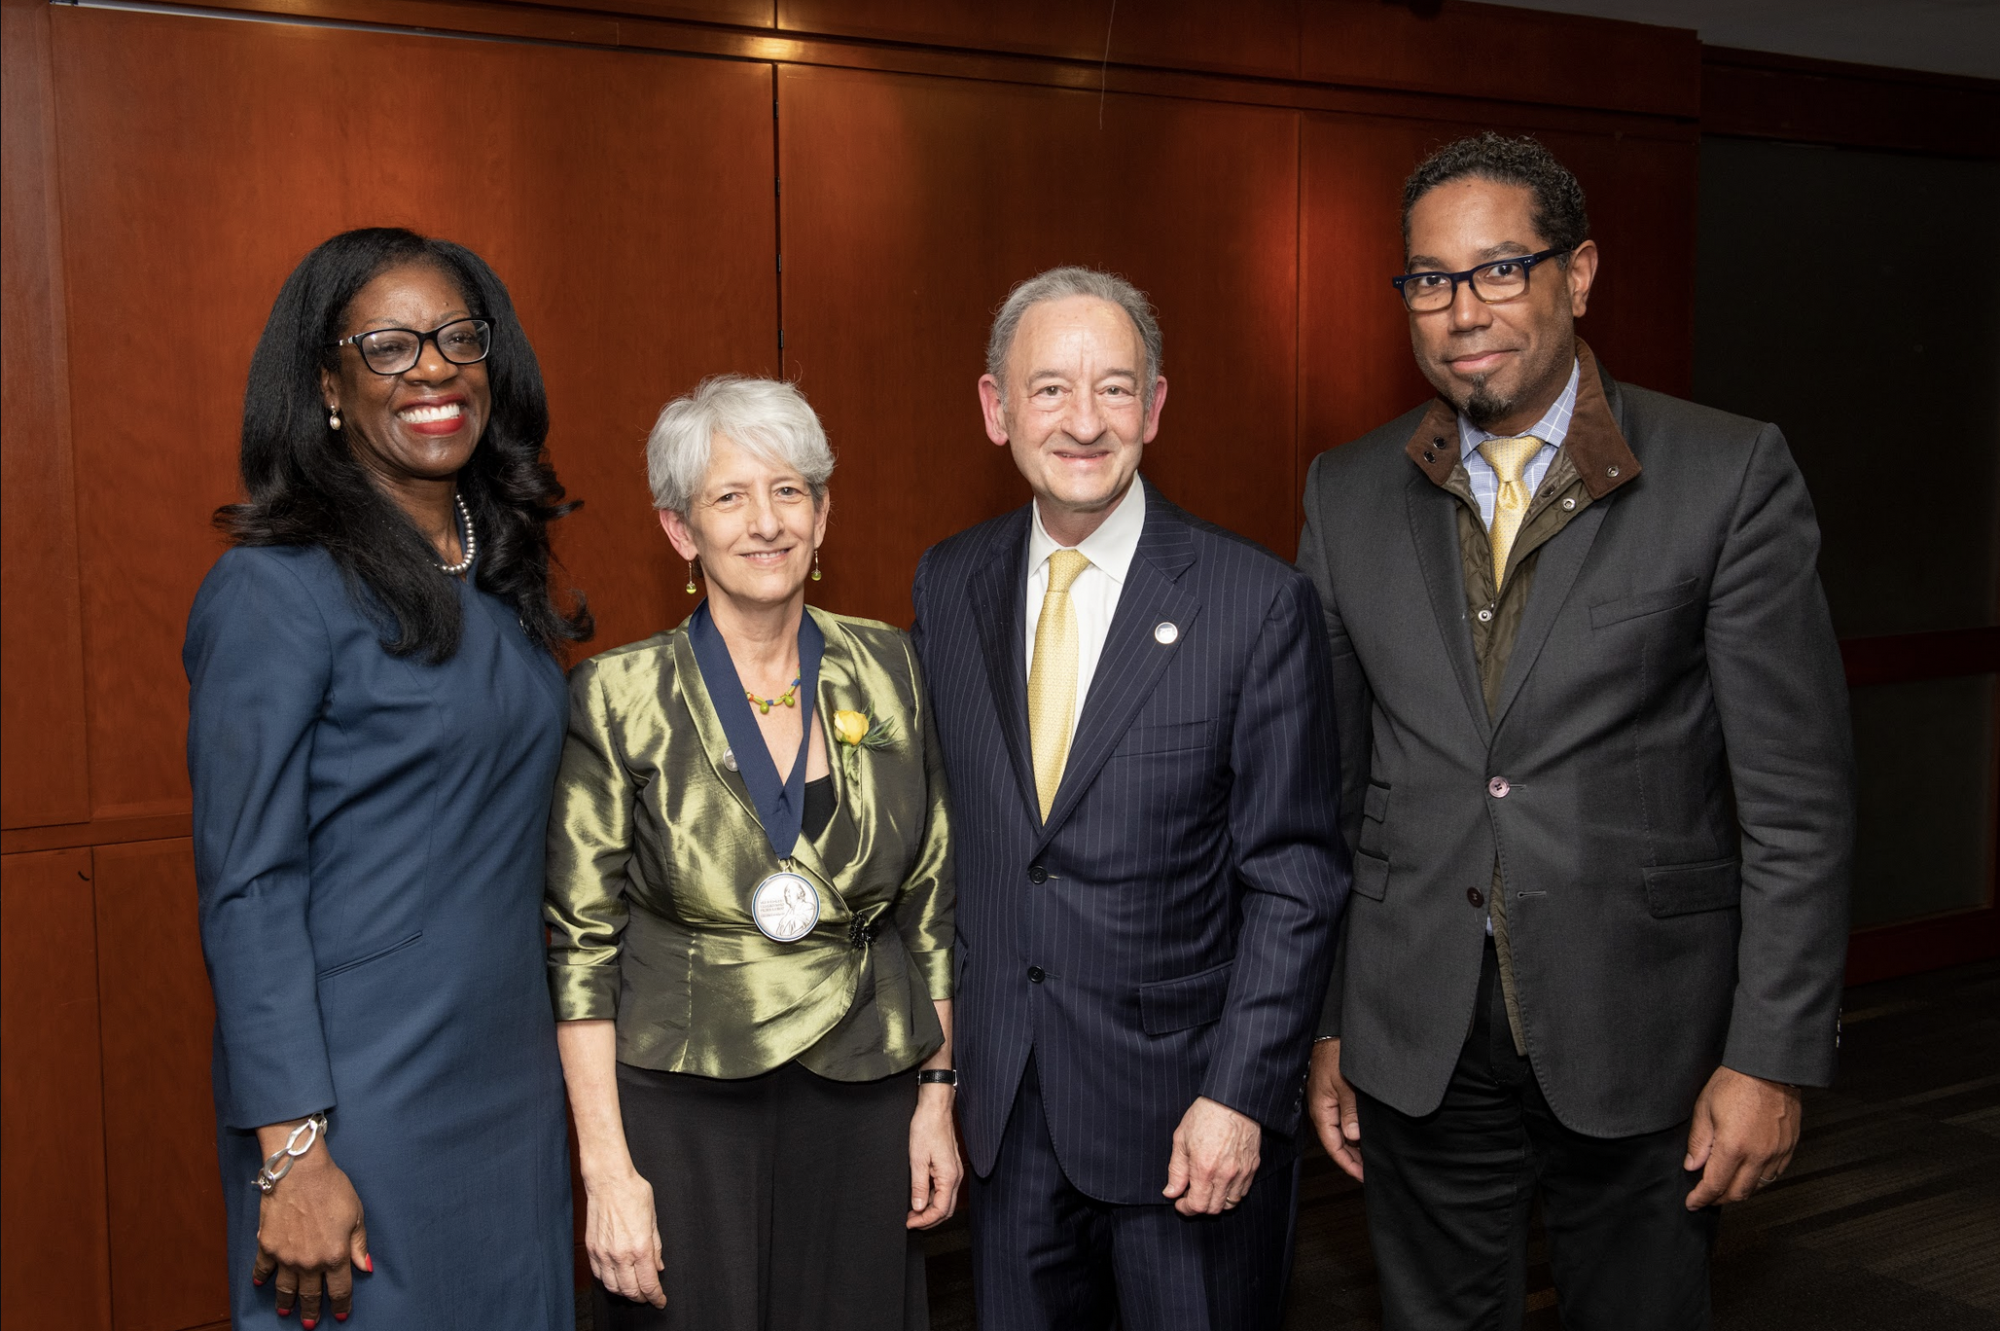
(935,1170)
(622,1235)
(309,1233)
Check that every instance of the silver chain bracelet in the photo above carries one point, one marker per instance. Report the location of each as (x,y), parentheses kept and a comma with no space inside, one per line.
(280,1161)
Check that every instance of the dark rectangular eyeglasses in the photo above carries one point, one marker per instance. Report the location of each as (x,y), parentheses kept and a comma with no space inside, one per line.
(395,350)
(1500,280)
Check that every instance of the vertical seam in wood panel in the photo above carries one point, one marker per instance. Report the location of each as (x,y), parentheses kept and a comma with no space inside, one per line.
(103,1108)
(65,422)
(1298,318)
(62,441)
(778,214)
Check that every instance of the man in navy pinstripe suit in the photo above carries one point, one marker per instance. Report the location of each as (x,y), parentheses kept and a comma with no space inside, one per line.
(1136,719)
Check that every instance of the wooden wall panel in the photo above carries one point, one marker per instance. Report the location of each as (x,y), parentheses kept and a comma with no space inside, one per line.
(1515,55)
(626,198)
(54,1264)
(1356,368)
(159,1114)
(44,765)
(1246,37)
(911,205)
(738,13)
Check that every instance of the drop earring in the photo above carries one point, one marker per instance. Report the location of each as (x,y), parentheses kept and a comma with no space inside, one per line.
(690,586)
(333,417)
(815,563)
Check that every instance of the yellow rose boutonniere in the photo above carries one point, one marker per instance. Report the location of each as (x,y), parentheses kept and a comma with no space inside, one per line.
(856,731)
(850,727)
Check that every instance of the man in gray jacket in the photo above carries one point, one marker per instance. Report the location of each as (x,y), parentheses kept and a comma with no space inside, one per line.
(1597,778)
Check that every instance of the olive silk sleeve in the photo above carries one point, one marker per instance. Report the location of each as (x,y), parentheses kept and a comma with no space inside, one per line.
(923,908)
(590,848)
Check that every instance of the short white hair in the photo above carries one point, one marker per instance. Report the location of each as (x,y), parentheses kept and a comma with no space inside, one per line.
(766,418)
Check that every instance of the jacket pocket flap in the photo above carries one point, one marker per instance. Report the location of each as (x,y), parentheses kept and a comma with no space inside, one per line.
(1645,603)
(1371,875)
(1375,804)
(1192,1000)
(1683,889)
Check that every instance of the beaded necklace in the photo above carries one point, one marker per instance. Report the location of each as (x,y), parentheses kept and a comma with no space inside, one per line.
(789,698)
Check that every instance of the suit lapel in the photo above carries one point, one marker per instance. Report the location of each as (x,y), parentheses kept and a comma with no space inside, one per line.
(1434,528)
(1596,445)
(1556,565)
(701,710)
(1133,658)
(999,593)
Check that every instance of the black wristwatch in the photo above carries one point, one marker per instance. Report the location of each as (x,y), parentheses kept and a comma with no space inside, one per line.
(938,1077)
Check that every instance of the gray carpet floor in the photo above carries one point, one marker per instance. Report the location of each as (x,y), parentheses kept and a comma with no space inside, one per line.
(1889,1219)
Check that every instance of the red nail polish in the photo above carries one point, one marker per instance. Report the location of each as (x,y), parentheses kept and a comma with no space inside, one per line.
(284,1312)
(255,1281)
(368,1262)
(340,1317)
(309,1323)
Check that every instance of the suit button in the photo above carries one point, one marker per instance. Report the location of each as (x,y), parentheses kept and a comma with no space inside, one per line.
(1475,896)
(1035,975)
(1037,874)
(1498,787)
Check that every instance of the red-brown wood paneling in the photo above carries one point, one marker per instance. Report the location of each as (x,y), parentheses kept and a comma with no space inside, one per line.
(1516,55)
(1246,37)
(54,1263)
(1356,368)
(626,198)
(739,13)
(912,204)
(44,766)
(159,1116)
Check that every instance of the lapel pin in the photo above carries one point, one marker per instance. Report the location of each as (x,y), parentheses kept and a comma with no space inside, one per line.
(729,759)
(1166,632)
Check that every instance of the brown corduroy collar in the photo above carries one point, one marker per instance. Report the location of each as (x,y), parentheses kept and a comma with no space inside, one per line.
(1596,445)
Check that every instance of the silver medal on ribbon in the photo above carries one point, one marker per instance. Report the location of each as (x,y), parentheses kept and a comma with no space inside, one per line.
(785,907)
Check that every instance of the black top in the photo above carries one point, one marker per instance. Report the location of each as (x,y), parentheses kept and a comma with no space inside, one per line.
(819,807)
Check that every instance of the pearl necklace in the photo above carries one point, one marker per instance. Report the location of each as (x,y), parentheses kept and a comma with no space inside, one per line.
(463,566)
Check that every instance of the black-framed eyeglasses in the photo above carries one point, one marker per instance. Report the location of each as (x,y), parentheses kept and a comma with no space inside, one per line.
(1500,280)
(395,350)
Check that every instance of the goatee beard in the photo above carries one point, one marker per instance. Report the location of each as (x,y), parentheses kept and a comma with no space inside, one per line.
(1483,407)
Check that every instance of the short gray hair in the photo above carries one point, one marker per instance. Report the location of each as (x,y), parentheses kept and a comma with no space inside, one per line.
(1060,284)
(767,418)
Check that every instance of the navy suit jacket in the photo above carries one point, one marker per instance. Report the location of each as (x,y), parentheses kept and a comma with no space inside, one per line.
(1168,932)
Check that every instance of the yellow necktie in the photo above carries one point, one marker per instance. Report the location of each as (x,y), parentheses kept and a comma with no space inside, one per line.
(1052,680)
(1508,456)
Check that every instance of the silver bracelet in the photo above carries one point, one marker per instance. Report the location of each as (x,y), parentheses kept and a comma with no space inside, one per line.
(280,1161)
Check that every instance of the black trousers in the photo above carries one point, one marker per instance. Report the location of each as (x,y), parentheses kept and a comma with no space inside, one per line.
(1047,1257)
(781,1202)
(1448,1196)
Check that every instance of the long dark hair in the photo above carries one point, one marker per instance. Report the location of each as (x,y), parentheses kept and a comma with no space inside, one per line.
(305,488)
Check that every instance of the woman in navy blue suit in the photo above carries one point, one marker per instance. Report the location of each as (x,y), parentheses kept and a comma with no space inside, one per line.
(376,717)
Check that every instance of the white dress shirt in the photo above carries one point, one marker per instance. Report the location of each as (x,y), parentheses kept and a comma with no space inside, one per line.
(1094,594)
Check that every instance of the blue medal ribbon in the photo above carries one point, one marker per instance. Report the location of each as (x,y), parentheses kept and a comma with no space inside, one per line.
(780,805)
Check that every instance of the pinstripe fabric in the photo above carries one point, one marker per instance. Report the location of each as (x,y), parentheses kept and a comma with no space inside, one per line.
(1156,1269)
(1167,933)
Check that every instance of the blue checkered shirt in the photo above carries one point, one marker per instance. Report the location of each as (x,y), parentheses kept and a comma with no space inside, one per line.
(1550,429)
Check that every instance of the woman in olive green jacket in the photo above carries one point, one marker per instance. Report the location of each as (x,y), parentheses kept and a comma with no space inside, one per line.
(750,903)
